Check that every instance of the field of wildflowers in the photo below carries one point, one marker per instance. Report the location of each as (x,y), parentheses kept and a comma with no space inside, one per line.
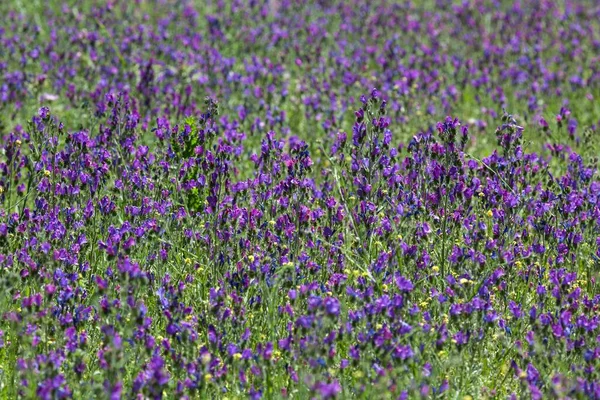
(293,199)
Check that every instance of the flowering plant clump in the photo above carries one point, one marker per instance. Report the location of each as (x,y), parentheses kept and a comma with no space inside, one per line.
(212,200)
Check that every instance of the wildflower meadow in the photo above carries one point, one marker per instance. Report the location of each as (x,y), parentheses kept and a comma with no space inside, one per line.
(299,199)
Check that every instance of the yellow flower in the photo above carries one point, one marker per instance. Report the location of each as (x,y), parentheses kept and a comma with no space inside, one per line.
(46,172)
(208,377)
(463,281)
(490,213)
(251,258)
(481,194)
(205,358)
(435,269)
(522,374)
(237,356)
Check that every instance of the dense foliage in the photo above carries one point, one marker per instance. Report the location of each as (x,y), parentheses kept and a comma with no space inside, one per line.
(211,200)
